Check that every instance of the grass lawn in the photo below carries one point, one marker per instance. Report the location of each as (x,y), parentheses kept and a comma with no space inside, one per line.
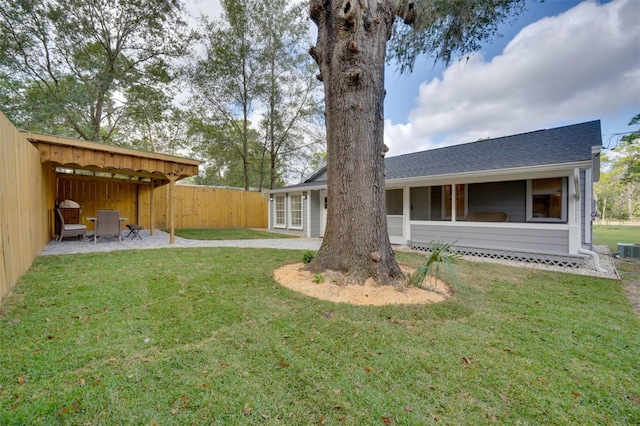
(206,336)
(227,234)
(611,235)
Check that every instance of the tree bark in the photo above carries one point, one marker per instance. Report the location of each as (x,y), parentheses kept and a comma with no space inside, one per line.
(350,51)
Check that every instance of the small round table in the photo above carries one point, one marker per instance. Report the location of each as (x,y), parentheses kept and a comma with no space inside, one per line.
(134,231)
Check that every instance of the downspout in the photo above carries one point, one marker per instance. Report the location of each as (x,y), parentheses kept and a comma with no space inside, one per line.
(578,210)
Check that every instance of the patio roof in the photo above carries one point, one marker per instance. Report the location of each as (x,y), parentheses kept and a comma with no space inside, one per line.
(118,162)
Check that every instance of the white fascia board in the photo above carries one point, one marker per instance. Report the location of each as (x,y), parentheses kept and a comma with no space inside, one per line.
(295,190)
(490,175)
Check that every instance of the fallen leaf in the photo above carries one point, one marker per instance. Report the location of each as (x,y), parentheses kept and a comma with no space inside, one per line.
(186,399)
(82,382)
(266,416)
(387,420)
(174,411)
(283,363)
(367,368)
(635,398)
(466,360)
(502,397)
(576,394)
(323,420)
(206,385)
(247,410)
(408,408)
(21,379)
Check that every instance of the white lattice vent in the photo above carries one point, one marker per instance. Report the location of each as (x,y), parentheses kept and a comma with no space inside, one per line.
(538,258)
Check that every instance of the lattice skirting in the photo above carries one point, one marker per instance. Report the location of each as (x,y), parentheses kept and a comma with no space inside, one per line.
(540,258)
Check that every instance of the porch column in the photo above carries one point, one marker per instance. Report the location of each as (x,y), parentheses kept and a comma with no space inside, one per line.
(406,217)
(454,201)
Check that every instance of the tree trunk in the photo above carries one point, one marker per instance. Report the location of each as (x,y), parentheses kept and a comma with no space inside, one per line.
(350,51)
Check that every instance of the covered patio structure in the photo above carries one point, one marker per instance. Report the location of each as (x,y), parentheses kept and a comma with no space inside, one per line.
(98,176)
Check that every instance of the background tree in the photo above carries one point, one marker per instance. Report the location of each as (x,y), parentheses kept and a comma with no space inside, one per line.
(619,187)
(76,66)
(220,147)
(630,146)
(254,77)
(351,52)
(290,101)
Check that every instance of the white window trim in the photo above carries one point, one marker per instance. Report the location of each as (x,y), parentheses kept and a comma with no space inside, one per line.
(290,210)
(563,212)
(277,224)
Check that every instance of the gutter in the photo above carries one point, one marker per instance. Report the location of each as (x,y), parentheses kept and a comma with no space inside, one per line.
(581,250)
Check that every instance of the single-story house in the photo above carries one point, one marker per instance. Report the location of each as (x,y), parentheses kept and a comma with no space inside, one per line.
(523,197)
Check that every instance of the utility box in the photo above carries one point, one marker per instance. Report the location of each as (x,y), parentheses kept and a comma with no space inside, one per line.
(629,250)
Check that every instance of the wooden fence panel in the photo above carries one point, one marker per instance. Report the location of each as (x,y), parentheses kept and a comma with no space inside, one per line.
(207,207)
(25,191)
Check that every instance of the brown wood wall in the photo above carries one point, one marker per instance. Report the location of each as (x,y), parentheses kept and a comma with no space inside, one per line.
(26,192)
(95,194)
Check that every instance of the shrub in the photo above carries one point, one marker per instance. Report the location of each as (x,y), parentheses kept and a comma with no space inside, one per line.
(307,256)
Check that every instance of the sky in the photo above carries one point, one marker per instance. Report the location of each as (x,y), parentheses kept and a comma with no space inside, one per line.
(561,62)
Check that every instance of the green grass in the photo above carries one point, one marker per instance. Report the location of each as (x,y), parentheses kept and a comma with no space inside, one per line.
(227,234)
(611,235)
(206,336)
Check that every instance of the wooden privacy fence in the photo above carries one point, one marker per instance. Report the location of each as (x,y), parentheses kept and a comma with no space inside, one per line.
(26,195)
(209,207)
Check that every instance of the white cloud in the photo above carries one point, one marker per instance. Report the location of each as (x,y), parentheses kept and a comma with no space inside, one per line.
(580,65)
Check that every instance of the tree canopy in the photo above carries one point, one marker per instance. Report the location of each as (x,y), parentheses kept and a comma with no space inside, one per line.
(78,68)
(254,83)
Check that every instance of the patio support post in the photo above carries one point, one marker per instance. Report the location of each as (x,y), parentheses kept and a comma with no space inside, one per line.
(152,207)
(172,206)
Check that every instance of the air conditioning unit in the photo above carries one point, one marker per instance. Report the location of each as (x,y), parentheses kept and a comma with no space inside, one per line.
(629,250)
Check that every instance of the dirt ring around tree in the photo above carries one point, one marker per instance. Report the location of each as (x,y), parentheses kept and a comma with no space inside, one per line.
(294,276)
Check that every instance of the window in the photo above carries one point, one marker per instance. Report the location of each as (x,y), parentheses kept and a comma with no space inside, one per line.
(295,211)
(394,202)
(280,212)
(461,201)
(547,200)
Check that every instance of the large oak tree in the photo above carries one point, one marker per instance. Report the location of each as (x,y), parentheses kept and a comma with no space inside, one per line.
(351,52)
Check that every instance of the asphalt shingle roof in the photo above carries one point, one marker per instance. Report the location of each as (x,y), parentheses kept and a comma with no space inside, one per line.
(566,144)
(560,145)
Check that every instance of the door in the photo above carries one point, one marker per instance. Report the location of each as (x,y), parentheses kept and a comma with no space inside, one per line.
(395,217)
